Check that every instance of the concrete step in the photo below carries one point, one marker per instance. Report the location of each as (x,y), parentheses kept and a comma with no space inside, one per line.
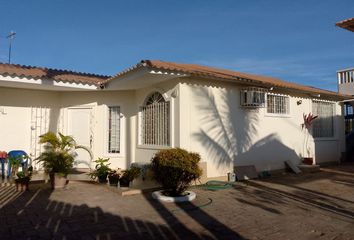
(309,168)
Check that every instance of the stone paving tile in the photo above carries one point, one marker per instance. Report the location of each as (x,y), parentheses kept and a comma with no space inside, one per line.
(308,206)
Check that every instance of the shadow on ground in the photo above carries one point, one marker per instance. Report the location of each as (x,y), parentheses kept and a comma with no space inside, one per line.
(33,215)
(328,190)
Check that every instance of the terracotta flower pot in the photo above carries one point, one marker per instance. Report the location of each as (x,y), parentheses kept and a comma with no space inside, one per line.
(308,160)
(22,186)
(58,181)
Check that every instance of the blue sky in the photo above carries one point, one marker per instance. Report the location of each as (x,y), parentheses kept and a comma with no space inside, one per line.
(293,40)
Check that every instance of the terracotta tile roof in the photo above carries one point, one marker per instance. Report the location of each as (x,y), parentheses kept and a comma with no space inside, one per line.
(346,24)
(228,75)
(49,73)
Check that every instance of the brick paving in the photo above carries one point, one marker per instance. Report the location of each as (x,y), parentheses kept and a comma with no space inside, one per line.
(307,206)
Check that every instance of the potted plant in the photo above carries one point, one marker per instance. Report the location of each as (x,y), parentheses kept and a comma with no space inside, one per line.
(175,169)
(308,119)
(15,163)
(101,170)
(113,177)
(129,175)
(58,157)
(23,179)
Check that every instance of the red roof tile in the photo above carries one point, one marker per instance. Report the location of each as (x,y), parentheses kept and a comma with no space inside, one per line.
(346,24)
(49,73)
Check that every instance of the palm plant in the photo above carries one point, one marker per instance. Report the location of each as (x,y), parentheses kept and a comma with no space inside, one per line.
(59,153)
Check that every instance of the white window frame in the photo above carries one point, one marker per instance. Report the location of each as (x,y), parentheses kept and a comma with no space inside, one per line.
(121,130)
(286,115)
(333,120)
(171,123)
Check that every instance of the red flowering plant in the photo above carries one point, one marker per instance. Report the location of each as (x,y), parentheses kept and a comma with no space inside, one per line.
(308,120)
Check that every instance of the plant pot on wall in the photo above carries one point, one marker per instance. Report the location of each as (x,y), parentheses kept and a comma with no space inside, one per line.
(308,160)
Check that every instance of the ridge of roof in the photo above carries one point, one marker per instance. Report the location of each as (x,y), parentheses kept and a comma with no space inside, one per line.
(205,71)
(53,73)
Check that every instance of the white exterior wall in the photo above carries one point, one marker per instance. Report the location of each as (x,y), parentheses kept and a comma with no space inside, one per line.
(331,149)
(15,119)
(99,101)
(17,115)
(226,134)
(206,117)
(15,122)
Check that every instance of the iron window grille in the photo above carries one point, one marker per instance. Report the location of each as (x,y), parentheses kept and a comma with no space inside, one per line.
(278,104)
(323,126)
(155,121)
(114,129)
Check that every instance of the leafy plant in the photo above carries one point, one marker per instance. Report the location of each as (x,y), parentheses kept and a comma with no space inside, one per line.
(101,169)
(129,175)
(175,169)
(114,176)
(308,119)
(15,163)
(24,176)
(59,153)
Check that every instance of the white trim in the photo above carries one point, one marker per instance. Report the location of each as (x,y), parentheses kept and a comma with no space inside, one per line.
(46,83)
(155,147)
(172,122)
(158,195)
(160,72)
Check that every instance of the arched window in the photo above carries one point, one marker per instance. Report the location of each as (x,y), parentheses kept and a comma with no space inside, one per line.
(155,121)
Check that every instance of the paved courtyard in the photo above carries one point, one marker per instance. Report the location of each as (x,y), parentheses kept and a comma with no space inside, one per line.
(306,206)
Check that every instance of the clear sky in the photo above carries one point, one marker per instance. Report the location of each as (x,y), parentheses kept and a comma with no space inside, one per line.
(294,40)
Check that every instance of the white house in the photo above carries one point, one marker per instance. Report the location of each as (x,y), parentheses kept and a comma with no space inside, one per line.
(230,118)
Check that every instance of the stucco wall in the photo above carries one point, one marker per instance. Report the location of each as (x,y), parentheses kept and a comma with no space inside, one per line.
(206,117)
(99,101)
(15,119)
(226,134)
(18,111)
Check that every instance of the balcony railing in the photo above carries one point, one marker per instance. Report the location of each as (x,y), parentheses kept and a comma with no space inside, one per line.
(345,76)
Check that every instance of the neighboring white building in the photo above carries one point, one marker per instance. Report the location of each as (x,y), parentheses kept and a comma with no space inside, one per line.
(230,118)
(346,85)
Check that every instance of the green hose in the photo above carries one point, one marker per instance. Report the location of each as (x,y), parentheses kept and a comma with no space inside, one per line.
(215,185)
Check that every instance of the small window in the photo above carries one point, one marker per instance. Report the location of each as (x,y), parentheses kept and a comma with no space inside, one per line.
(155,121)
(323,126)
(278,104)
(114,129)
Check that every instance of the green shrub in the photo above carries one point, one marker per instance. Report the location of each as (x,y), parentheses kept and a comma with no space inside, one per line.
(175,169)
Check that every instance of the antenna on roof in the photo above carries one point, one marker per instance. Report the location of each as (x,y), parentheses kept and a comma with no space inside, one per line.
(11,36)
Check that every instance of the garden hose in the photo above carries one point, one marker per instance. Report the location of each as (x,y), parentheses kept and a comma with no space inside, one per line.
(215,185)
